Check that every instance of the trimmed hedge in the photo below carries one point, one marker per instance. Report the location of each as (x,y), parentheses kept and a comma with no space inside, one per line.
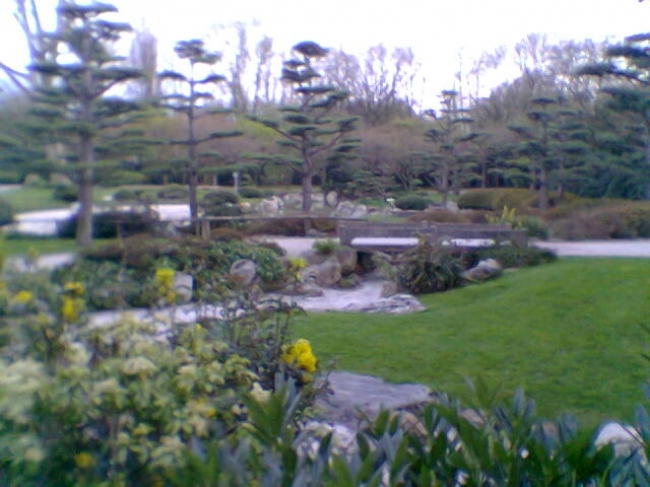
(628,220)
(412,202)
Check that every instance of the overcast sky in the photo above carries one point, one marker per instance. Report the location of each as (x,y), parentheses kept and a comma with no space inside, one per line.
(436,30)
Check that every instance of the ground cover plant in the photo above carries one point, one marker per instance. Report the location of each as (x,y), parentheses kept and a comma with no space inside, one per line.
(569,333)
(125,405)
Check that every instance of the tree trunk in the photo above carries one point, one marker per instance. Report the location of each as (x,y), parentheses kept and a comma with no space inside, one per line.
(307,176)
(543,189)
(86,176)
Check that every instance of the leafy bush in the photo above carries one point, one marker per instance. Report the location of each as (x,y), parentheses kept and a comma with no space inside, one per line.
(111,224)
(222,210)
(325,247)
(429,269)
(127,194)
(120,177)
(440,216)
(6,212)
(173,192)
(476,199)
(68,194)
(220,197)
(412,202)
(628,220)
(535,227)
(10,177)
(109,285)
(251,192)
(120,405)
(225,234)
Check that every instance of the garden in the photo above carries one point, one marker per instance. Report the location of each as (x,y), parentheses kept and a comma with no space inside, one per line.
(226,398)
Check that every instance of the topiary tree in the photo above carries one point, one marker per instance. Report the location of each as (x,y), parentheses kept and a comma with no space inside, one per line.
(193,104)
(307,128)
(76,106)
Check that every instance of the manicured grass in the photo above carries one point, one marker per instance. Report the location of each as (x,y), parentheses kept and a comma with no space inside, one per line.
(21,246)
(31,199)
(568,333)
(42,246)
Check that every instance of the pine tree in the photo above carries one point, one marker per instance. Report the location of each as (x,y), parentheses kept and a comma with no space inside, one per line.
(308,128)
(77,105)
(192,103)
(450,166)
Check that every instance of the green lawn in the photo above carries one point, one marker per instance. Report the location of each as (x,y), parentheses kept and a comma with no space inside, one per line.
(568,333)
(22,246)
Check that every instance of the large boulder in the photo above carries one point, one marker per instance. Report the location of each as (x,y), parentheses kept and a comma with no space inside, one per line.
(395,304)
(326,274)
(243,272)
(347,257)
(183,284)
(348,209)
(484,270)
(271,206)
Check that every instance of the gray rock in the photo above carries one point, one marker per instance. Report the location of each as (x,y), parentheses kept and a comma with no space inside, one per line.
(348,209)
(395,304)
(625,438)
(353,395)
(183,284)
(347,257)
(243,271)
(327,274)
(292,200)
(271,206)
(388,289)
(484,270)
(332,198)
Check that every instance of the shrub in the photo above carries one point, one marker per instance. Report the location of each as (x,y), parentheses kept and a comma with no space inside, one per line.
(173,192)
(225,234)
(628,220)
(220,197)
(429,269)
(440,216)
(120,177)
(325,247)
(251,192)
(476,199)
(222,210)
(127,194)
(6,212)
(412,202)
(111,224)
(68,194)
(10,177)
(289,227)
(535,227)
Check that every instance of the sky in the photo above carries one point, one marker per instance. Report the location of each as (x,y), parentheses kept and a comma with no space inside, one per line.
(438,31)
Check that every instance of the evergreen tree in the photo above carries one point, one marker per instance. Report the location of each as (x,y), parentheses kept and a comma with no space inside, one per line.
(77,105)
(308,128)
(451,165)
(627,76)
(193,104)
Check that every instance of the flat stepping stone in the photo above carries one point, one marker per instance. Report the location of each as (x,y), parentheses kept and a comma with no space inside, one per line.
(352,396)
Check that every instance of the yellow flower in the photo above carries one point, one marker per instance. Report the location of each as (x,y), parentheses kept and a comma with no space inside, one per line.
(84,460)
(165,284)
(71,309)
(74,289)
(297,263)
(23,297)
(300,355)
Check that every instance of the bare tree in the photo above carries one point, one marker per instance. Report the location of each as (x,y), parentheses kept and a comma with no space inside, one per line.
(42,45)
(264,52)
(144,56)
